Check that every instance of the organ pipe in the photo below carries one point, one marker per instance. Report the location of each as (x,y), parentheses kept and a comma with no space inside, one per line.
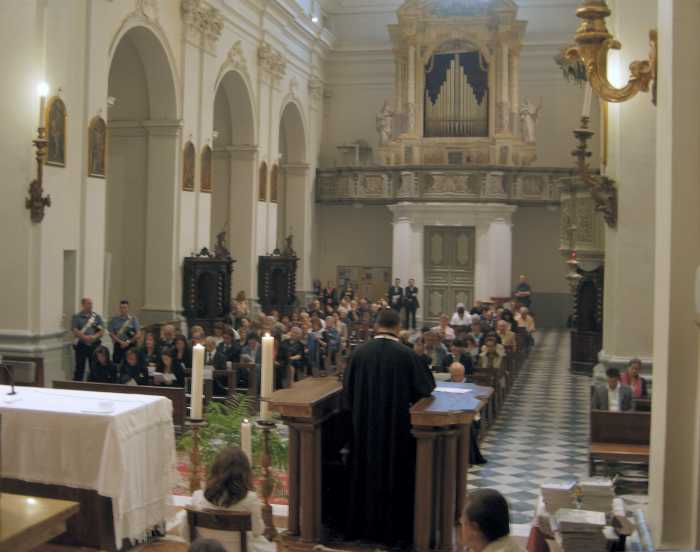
(455,112)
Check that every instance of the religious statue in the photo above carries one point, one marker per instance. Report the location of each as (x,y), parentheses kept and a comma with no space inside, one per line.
(529,113)
(220,249)
(288,249)
(385,123)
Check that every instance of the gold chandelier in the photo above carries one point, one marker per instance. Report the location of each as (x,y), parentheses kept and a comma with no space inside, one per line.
(594,41)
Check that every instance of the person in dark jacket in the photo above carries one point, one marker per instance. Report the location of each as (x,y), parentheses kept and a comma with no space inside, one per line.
(102,369)
(133,370)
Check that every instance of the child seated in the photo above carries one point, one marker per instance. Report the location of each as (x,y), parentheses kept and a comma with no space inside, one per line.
(229,487)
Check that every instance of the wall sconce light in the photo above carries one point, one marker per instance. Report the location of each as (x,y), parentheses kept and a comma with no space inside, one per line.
(594,41)
(36,203)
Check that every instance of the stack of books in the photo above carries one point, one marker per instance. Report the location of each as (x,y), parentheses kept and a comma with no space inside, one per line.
(581,530)
(597,494)
(558,494)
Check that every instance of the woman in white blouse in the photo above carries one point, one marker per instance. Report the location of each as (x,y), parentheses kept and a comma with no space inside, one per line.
(229,487)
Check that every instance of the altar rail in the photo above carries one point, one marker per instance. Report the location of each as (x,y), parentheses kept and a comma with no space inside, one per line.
(484,184)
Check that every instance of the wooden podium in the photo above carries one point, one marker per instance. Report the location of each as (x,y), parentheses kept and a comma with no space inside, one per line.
(441,424)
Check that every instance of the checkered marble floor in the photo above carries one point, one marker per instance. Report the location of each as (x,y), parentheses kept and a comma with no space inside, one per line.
(542,431)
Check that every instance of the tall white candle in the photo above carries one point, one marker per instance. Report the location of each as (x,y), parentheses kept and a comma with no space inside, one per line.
(197,382)
(247,439)
(268,374)
(43,91)
(587,101)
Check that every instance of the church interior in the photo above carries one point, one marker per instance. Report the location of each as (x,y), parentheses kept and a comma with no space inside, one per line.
(346,275)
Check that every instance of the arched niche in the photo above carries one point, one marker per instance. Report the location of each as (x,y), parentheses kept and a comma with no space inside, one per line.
(235,175)
(143,154)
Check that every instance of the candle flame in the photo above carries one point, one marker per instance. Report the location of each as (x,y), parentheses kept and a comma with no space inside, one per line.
(245,421)
(42,89)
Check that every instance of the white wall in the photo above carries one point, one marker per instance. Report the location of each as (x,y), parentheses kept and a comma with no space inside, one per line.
(350,236)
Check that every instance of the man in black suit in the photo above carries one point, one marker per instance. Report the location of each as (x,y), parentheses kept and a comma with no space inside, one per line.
(396,295)
(411,304)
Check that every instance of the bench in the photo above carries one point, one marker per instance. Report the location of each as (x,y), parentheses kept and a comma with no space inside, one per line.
(175,394)
(619,438)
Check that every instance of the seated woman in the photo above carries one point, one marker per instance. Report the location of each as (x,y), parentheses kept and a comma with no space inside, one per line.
(102,369)
(149,351)
(486,523)
(229,487)
(133,370)
(171,371)
(632,378)
(183,353)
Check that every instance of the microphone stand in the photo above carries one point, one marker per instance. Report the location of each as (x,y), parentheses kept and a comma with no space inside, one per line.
(11,376)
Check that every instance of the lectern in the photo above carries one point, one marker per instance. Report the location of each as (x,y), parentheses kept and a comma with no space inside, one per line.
(441,423)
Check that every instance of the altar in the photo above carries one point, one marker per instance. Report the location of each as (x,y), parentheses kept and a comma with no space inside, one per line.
(113,453)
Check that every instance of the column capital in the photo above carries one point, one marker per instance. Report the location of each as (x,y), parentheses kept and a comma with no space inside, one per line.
(164,127)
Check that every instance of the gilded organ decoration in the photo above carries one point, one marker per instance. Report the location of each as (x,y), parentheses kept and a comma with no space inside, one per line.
(456,93)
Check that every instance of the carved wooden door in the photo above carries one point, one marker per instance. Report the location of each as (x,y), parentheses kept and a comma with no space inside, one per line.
(448,266)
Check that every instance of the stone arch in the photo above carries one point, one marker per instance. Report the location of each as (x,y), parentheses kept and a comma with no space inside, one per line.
(142,178)
(234,176)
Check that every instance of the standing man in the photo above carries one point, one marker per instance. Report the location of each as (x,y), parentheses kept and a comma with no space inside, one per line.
(380,385)
(88,329)
(523,292)
(124,331)
(396,295)
(412,305)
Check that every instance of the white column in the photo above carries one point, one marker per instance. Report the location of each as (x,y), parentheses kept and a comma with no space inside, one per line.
(162,279)
(242,216)
(411,95)
(482,266)
(500,238)
(629,256)
(674,472)
(298,209)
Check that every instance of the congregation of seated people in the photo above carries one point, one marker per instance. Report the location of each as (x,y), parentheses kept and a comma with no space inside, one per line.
(308,341)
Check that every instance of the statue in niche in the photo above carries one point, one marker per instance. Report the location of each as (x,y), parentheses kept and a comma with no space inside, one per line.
(385,123)
(288,250)
(529,113)
(220,249)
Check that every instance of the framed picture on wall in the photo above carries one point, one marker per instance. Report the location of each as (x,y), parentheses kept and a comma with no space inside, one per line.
(97,141)
(56,132)
(262,184)
(205,183)
(188,167)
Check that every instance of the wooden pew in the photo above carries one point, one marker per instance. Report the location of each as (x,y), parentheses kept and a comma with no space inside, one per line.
(175,394)
(619,437)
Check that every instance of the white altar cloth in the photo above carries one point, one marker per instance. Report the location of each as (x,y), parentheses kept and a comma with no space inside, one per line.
(121,446)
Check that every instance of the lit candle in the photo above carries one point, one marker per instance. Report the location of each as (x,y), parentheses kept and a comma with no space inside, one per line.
(197,382)
(587,101)
(268,374)
(43,91)
(247,439)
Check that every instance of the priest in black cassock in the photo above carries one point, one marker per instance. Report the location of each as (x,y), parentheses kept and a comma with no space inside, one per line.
(381,383)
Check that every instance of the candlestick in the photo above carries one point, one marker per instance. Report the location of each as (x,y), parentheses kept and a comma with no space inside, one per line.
(268,485)
(268,375)
(247,439)
(197,382)
(588,97)
(195,457)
